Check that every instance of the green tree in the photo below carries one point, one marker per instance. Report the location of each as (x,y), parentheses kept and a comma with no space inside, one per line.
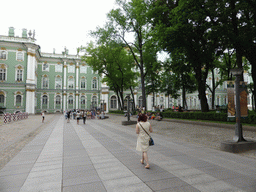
(129,24)
(184,25)
(114,63)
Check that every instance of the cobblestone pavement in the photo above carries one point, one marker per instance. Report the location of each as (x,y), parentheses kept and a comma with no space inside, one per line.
(100,156)
(207,135)
(15,135)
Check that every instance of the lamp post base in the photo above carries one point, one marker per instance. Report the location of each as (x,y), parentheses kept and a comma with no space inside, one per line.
(236,147)
(238,133)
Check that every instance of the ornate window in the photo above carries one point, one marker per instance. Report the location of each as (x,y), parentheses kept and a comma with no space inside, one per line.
(19,73)
(58,68)
(83,83)
(83,100)
(94,83)
(3,55)
(83,69)
(70,100)
(2,72)
(113,102)
(45,67)
(71,82)
(45,100)
(58,100)
(71,68)
(20,56)
(18,100)
(58,82)
(2,99)
(45,81)
(94,101)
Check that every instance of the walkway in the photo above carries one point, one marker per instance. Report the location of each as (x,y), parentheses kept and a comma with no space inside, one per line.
(101,156)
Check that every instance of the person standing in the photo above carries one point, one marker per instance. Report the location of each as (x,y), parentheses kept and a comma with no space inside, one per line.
(143,138)
(84,117)
(42,114)
(78,117)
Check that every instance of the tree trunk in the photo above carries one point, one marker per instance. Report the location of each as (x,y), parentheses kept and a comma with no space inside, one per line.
(250,55)
(213,89)
(133,103)
(201,90)
(144,103)
(184,97)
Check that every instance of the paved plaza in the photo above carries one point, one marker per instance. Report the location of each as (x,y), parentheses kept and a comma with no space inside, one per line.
(100,156)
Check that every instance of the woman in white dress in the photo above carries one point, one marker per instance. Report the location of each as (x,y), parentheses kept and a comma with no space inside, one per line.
(143,138)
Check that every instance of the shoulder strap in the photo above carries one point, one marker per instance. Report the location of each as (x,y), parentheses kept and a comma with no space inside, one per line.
(144,130)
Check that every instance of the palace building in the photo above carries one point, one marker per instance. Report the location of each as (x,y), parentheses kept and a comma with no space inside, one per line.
(32,81)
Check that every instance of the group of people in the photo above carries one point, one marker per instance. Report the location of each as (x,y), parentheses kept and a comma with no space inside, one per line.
(155,116)
(83,114)
(76,115)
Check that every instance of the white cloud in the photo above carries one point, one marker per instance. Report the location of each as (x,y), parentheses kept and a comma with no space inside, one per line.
(57,23)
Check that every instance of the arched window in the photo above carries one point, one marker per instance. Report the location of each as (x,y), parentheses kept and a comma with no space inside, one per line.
(83,83)
(94,83)
(58,99)
(71,82)
(94,101)
(3,69)
(140,101)
(45,100)
(58,82)
(18,99)
(3,55)
(113,103)
(45,82)
(83,100)
(1,100)
(19,74)
(70,100)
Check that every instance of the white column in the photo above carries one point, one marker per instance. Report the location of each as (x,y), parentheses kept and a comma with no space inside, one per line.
(77,85)
(149,107)
(65,86)
(31,78)
(65,75)
(166,102)
(77,76)
(135,99)
(105,97)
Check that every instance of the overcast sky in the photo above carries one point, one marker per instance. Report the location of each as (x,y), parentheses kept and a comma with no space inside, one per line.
(57,23)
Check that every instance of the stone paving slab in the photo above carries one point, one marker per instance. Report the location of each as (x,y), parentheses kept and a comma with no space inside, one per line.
(101,156)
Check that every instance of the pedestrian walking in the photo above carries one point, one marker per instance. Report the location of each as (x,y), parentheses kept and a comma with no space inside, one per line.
(43,116)
(142,127)
(68,116)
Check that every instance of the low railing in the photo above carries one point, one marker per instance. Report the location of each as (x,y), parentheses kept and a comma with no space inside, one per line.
(9,117)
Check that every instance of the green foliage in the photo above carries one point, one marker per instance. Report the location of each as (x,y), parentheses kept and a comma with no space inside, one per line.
(117,112)
(211,116)
(114,63)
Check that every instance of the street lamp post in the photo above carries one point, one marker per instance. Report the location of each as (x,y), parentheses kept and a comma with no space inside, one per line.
(238,127)
(128,107)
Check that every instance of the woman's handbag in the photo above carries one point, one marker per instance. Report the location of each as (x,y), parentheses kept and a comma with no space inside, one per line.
(151,141)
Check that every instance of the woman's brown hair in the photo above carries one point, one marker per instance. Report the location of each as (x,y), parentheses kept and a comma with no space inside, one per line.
(143,117)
